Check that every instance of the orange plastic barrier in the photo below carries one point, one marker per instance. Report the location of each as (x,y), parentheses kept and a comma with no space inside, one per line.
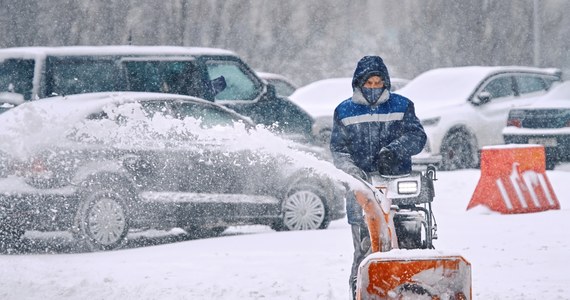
(513,180)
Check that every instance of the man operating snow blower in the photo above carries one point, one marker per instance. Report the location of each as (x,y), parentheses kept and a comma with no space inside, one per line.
(374,131)
(375,134)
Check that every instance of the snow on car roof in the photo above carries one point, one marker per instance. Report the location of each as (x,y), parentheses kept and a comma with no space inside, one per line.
(37,52)
(455,85)
(34,124)
(320,98)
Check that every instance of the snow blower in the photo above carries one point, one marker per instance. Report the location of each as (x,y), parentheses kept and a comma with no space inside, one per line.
(403,263)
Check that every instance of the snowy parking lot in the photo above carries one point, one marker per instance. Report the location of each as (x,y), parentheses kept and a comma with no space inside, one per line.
(513,257)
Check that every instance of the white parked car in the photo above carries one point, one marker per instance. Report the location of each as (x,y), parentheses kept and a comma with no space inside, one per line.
(545,122)
(465,108)
(321,97)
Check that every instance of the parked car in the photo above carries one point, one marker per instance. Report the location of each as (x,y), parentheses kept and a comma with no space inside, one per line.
(100,164)
(545,122)
(283,86)
(321,97)
(465,108)
(213,74)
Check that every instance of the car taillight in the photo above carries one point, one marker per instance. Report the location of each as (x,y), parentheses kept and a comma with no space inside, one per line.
(514,122)
(38,168)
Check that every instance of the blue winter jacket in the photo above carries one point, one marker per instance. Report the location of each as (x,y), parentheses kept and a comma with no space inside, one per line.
(361,130)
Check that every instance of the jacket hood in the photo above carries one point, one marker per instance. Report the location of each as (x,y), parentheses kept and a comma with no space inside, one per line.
(368,66)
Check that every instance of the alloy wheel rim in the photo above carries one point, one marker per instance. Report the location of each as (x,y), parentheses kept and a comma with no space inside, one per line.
(303,210)
(106,221)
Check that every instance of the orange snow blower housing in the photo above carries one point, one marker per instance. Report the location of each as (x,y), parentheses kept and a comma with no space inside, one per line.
(402,263)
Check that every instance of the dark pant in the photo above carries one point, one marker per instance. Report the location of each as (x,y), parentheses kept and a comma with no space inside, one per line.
(361,242)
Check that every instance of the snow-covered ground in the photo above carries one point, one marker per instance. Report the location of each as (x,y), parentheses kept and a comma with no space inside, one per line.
(513,257)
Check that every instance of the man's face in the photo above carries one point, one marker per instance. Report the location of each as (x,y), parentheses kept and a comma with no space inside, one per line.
(374,82)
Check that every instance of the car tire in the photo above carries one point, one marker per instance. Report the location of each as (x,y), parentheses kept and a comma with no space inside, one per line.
(457,151)
(303,209)
(102,220)
(550,164)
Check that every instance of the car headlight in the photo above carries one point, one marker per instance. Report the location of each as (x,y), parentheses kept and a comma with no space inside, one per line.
(430,121)
(407,187)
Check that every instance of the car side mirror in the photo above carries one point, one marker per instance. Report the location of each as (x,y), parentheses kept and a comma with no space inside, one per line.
(271,92)
(218,84)
(482,98)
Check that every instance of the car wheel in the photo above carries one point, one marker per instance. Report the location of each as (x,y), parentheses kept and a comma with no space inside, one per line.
(103,221)
(550,164)
(303,210)
(457,151)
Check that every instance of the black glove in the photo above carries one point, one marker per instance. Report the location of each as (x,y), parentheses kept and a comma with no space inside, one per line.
(387,161)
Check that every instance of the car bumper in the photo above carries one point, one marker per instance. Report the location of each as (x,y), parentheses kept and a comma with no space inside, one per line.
(36,209)
(556,146)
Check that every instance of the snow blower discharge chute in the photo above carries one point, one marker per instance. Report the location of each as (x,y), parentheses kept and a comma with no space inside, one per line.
(403,263)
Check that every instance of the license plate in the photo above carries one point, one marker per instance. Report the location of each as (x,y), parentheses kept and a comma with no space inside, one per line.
(548,142)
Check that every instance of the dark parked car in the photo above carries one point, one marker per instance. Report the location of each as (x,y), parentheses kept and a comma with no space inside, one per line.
(213,74)
(545,122)
(100,164)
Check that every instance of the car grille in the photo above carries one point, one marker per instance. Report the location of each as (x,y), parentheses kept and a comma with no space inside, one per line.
(547,118)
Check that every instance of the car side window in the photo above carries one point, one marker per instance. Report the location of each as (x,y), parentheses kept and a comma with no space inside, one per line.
(166,76)
(78,75)
(16,76)
(529,84)
(500,87)
(152,108)
(208,115)
(239,83)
